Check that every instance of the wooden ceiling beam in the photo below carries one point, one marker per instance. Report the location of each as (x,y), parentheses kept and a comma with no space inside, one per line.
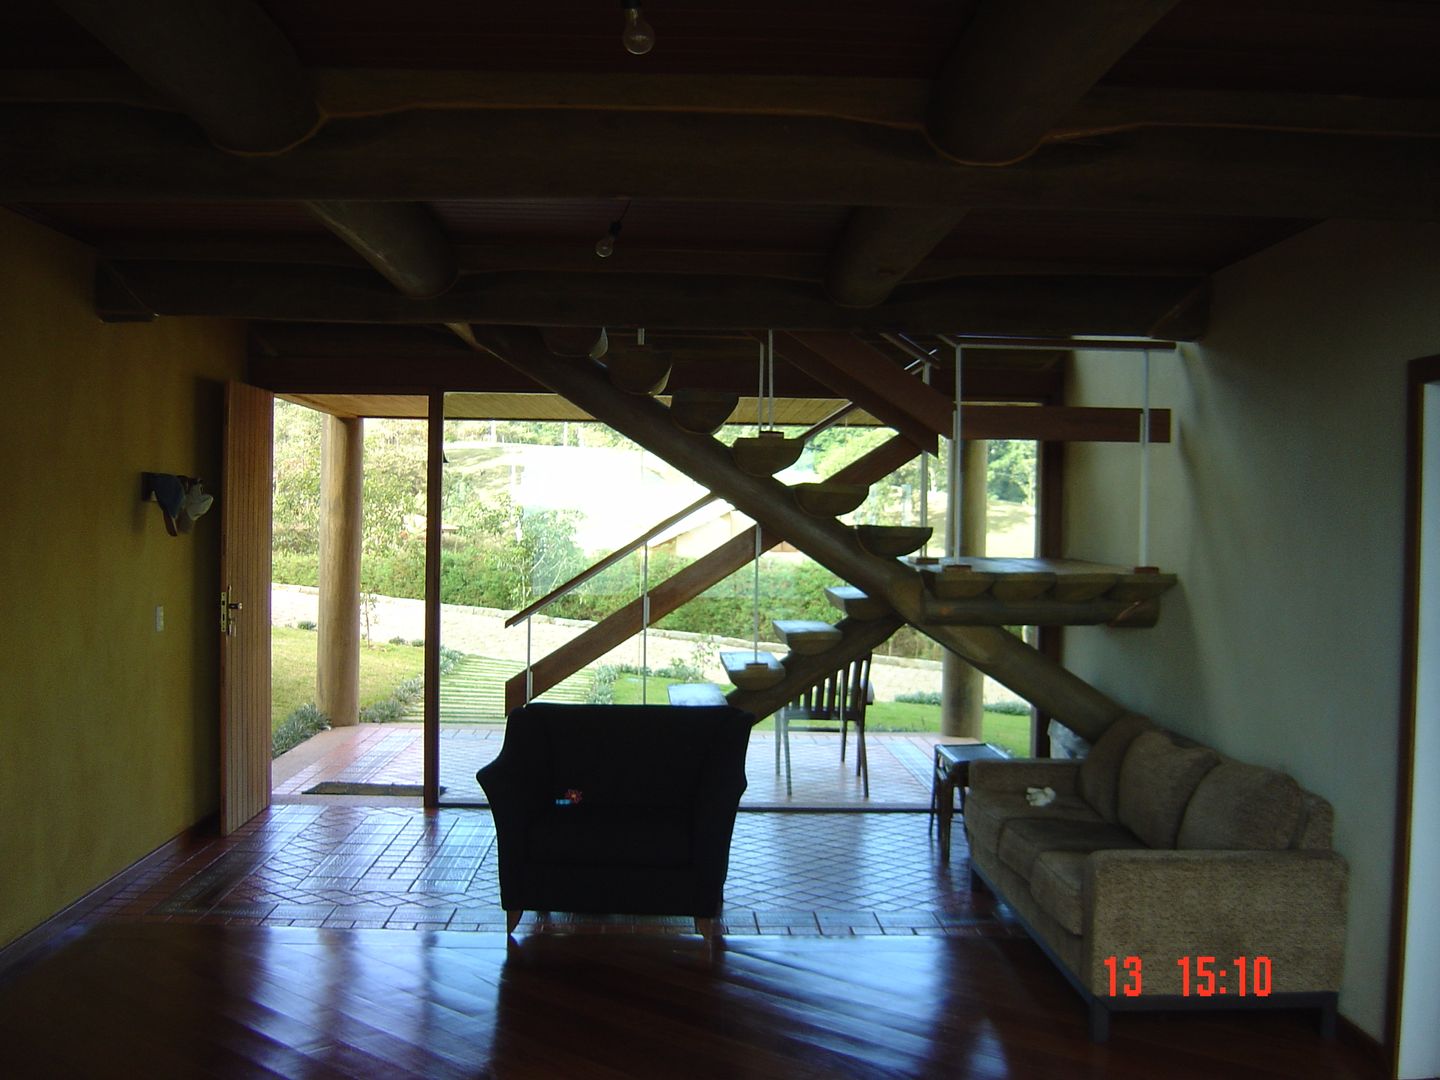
(224,64)
(402,240)
(104,154)
(880,247)
(628,258)
(898,103)
(231,70)
(1022,306)
(342,355)
(1014,71)
(1018,68)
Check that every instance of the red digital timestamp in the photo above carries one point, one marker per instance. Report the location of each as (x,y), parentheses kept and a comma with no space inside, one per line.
(1246,976)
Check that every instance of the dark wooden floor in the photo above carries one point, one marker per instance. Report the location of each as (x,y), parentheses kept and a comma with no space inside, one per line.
(185,1000)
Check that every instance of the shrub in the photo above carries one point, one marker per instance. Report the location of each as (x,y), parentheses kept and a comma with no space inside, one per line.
(1009,707)
(682,670)
(920,697)
(418,642)
(397,640)
(304,722)
(602,688)
(306,624)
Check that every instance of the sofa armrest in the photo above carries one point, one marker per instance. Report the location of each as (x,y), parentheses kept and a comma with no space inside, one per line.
(1164,906)
(1063,776)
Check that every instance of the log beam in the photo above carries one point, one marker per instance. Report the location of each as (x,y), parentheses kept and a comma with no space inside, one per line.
(1019,67)
(1021,306)
(224,64)
(65,153)
(880,247)
(403,241)
(895,103)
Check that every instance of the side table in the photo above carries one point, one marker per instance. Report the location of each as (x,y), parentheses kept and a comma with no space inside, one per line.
(952,772)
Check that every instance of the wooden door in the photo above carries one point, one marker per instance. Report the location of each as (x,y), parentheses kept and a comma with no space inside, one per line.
(243,618)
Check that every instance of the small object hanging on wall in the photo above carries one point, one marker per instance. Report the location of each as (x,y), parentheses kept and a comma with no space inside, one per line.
(183,499)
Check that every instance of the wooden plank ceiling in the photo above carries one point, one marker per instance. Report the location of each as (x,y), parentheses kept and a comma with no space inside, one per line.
(365,181)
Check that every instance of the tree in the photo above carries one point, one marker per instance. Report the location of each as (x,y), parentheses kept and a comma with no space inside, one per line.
(297,479)
(1011,468)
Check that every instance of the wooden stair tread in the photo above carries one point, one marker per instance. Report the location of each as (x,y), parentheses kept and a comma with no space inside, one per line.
(749,672)
(855,603)
(892,540)
(702,412)
(695,694)
(766,454)
(806,637)
(828,498)
(640,371)
(1019,580)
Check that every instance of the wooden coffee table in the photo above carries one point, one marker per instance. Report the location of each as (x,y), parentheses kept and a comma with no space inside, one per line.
(952,773)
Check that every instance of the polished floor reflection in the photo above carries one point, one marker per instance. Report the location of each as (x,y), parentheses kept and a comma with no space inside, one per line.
(185,1000)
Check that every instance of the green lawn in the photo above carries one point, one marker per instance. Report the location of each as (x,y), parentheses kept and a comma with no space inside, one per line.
(385,666)
(1003,729)
(292,670)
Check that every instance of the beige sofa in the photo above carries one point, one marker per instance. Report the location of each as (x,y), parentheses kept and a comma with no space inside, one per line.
(1163,850)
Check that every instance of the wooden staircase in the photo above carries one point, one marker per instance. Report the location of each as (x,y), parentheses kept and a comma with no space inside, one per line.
(866,560)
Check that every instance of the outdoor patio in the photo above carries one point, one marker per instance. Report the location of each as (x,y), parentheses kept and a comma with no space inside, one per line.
(900,766)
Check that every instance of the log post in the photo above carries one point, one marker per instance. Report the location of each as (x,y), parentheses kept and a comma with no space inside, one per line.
(962,687)
(342,472)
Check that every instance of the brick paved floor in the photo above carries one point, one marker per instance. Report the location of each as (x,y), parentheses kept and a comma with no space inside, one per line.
(304,864)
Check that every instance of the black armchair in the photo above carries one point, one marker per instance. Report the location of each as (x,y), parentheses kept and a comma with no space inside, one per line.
(617,808)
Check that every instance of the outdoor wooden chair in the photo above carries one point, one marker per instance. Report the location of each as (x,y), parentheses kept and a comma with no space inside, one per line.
(830,706)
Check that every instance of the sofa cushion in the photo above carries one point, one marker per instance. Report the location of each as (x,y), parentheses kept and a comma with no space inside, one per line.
(1241,807)
(1057,883)
(1156,782)
(1024,841)
(987,810)
(610,836)
(1100,769)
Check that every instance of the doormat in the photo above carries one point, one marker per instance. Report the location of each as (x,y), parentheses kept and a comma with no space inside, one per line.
(337,787)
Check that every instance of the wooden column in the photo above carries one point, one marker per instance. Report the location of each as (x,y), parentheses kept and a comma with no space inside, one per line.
(962,687)
(342,472)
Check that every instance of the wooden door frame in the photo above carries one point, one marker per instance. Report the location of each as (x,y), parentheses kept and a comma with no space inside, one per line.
(1420,373)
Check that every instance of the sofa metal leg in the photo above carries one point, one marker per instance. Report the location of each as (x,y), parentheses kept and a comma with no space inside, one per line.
(1099,1022)
(512,920)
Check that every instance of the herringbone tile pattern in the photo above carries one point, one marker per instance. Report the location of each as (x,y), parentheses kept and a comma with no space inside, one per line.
(401,867)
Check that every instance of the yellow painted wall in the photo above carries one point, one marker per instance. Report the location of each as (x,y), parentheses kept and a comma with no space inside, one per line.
(1281,507)
(108,728)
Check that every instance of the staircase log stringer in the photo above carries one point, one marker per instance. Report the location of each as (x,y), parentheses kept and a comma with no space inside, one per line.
(995,651)
(684,585)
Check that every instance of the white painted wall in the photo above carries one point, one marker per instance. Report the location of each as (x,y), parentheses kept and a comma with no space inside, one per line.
(1419,1032)
(1280,505)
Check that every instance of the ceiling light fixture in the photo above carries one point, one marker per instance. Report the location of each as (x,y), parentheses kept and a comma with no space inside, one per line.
(639,36)
(605,246)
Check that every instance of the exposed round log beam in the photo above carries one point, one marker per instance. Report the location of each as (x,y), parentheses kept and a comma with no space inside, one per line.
(1019,67)
(403,241)
(224,64)
(106,154)
(1023,306)
(880,247)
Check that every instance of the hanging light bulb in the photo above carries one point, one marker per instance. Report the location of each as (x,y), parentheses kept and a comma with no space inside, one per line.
(605,246)
(639,36)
